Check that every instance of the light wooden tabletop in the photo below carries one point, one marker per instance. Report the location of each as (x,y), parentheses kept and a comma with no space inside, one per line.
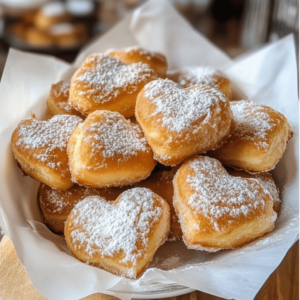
(283,284)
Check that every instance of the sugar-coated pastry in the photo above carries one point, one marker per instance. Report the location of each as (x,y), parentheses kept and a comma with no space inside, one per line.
(179,122)
(40,148)
(51,13)
(106,83)
(161,184)
(121,236)
(187,77)
(57,102)
(56,205)
(266,180)
(108,150)
(259,140)
(155,60)
(218,211)
(39,38)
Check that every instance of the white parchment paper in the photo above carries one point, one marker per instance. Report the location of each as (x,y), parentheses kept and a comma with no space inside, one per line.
(268,76)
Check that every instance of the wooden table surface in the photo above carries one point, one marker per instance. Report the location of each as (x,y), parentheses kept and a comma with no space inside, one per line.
(283,284)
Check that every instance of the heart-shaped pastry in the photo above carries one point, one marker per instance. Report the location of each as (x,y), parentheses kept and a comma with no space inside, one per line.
(187,77)
(57,102)
(56,205)
(121,236)
(161,183)
(219,211)
(108,150)
(40,148)
(106,83)
(130,55)
(259,140)
(179,122)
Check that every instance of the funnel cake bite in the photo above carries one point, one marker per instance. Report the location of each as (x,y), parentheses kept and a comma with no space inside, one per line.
(108,150)
(106,83)
(179,122)
(161,184)
(121,236)
(259,140)
(57,101)
(40,148)
(56,205)
(218,211)
(187,77)
(130,55)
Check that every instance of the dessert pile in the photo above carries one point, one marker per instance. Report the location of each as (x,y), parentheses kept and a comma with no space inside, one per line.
(135,155)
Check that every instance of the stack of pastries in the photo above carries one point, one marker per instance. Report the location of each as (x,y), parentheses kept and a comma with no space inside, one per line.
(48,27)
(135,155)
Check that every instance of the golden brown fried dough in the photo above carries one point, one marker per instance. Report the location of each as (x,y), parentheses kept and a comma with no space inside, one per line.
(179,122)
(266,180)
(121,236)
(40,148)
(155,60)
(56,205)
(57,101)
(187,77)
(259,140)
(218,211)
(161,184)
(108,150)
(106,83)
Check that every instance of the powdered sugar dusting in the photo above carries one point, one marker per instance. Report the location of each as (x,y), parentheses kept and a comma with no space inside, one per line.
(109,77)
(146,53)
(112,228)
(65,106)
(61,88)
(114,136)
(48,137)
(55,201)
(253,122)
(177,108)
(218,196)
(268,183)
(196,75)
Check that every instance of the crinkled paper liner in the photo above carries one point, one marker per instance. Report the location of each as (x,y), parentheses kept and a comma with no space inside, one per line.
(267,76)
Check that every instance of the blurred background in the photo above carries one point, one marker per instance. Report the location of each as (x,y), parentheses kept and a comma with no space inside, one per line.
(61,28)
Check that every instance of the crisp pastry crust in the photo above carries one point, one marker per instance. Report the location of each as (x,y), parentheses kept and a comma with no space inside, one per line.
(135,54)
(187,77)
(108,150)
(57,102)
(161,184)
(266,180)
(56,205)
(121,236)
(106,83)
(40,148)
(179,122)
(218,211)
(259,140)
